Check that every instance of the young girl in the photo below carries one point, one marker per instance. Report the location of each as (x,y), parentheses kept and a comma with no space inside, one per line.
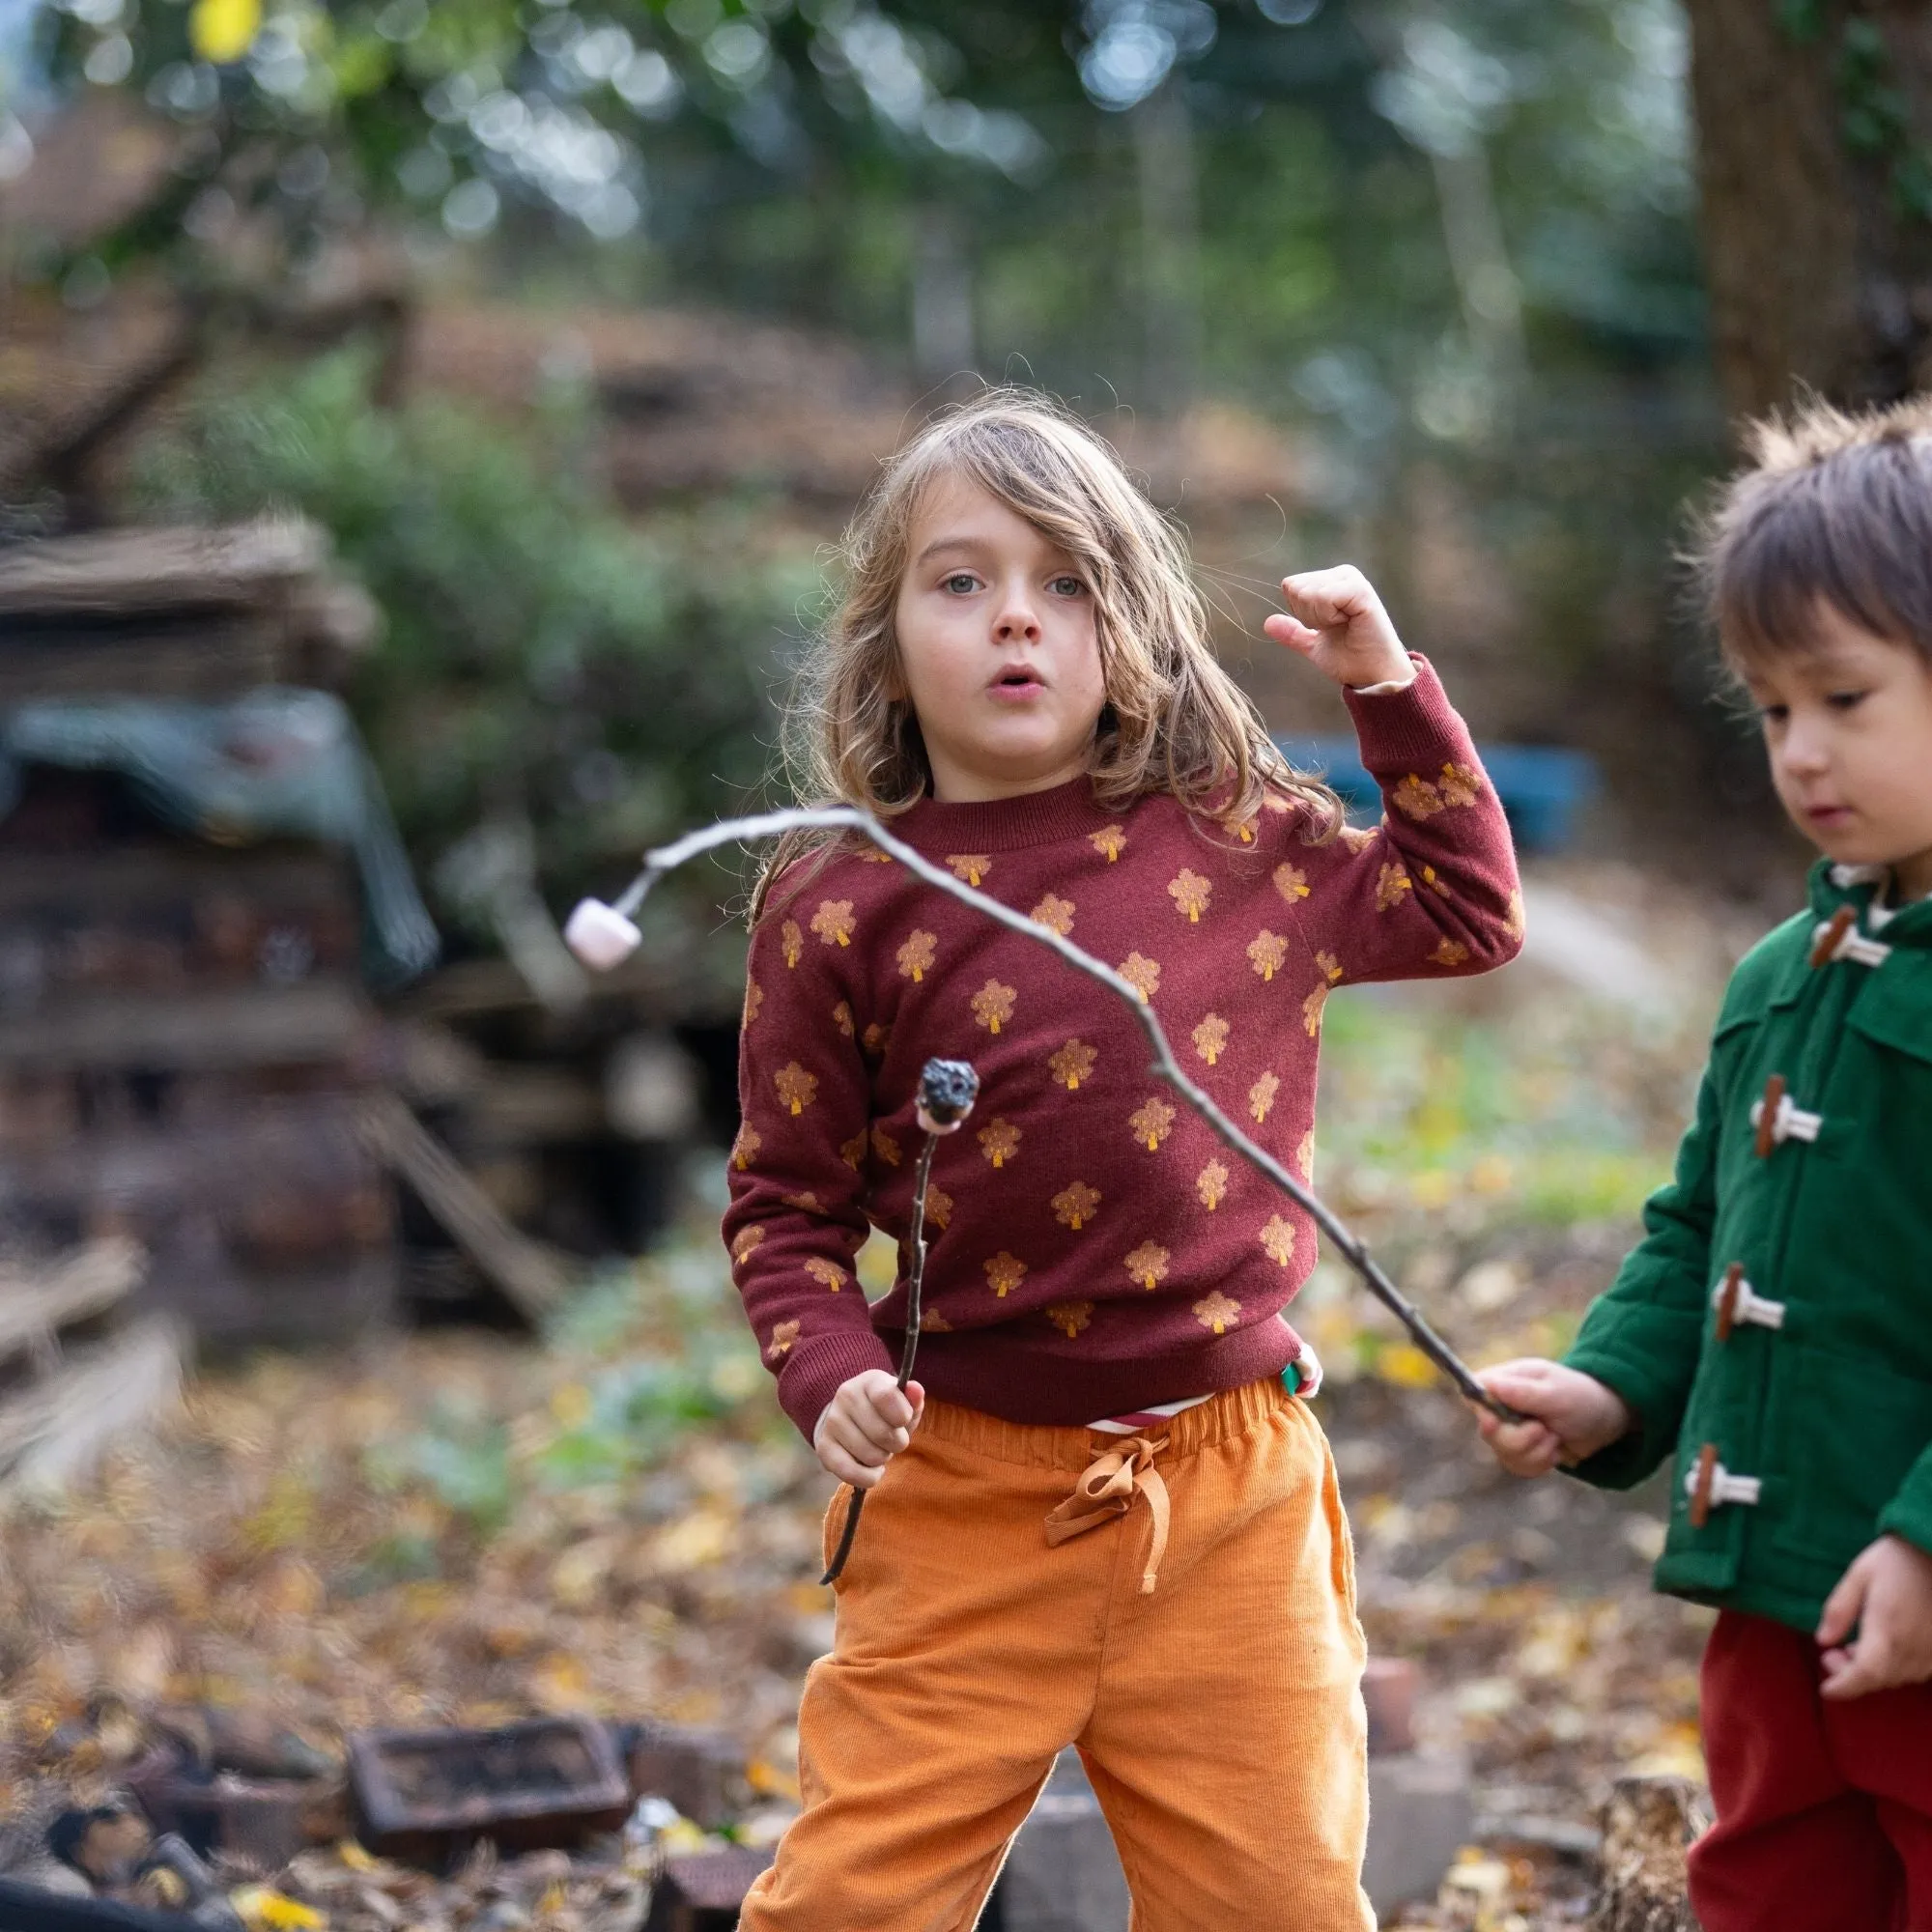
(1105,1515)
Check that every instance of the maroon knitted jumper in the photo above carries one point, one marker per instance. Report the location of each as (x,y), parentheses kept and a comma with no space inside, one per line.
(1095,1248)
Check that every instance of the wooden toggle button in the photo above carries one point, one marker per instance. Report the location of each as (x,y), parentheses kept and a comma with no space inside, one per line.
(1727,1301)
(1766,1119)
(1700,1489)
(1825,948)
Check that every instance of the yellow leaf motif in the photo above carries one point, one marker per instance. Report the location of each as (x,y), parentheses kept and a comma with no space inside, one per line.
(1151,1122)
(885,1146)
(1390,886)
(1243,828)
(938,1207)
(877,1038)
(221,31)
(1290,882)
(999,1141)
(754,998)
(1004,1273)
(1330,966)
(1216,1311)
(1072,1063)
(917,954)
(1211,1039)
(783,1337)
(1304,1156)
(1111,840)
(796,1088)
(828,1272)
(873,856)
(1211,1184)
(1141,973)
(792,939)
(1260,1097)
(745,1148)
(972,866)
(1358,837)
(1417,797)
(1433,884)
(841,1015)
(1265,952)
(1311,1008)
(1074,1204)
(932,1322)
(1054,913)
(1147,1265)
(1450,952)
(1459,784)
(746,1239)
(1069,1317)
(1278,1238)
(992,1003)
(833,921)
(1518,924)
(852,1152)
(1190,894)
(806,1203)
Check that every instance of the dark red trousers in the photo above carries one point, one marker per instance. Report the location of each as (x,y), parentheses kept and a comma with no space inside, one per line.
(1824,1809)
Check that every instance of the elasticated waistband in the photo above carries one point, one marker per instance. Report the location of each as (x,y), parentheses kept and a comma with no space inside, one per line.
(1232,1412)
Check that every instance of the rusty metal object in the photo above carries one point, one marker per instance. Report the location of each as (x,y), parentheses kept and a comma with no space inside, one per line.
(704,1892)
(694,1768)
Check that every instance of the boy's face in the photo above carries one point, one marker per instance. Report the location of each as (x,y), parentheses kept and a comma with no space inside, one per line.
(1848,724)
(998,645)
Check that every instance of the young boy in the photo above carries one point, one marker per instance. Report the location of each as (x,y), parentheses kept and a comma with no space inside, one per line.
(1776,1323)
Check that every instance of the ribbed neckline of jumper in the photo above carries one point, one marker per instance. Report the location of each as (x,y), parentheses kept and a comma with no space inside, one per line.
(1004,824)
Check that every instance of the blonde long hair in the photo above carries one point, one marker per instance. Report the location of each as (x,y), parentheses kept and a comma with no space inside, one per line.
(1174,721)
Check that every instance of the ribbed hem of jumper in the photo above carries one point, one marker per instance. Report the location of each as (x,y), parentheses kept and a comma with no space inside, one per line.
(1004,824)
(1403,731)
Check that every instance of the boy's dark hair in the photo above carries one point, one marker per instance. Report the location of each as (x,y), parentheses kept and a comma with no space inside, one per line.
(1834,507)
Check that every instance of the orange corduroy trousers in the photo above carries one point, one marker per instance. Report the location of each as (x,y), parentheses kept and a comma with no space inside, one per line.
(1219,1713)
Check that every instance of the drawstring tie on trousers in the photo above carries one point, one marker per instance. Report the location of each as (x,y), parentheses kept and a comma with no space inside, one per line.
(1107,1489)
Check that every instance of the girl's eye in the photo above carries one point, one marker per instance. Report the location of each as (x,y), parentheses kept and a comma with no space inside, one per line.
(1066,587)
(1773,714)
(1845,701)
(961,583)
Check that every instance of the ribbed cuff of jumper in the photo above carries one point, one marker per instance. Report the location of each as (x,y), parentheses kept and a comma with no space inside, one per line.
(817,1370)
(1413,728)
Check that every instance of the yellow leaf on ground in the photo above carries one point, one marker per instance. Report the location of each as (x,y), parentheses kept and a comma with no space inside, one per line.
(264,1909)
(1406,1365)
(223,30)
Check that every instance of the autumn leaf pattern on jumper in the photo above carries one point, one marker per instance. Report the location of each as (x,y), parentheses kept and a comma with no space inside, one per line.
(917,954)
(1054,913)
(999,1141)
(829,1274)
(1433,884)
(1356,838)
(972,866)
(1265,952)
(806,1203)
(1069,1317)
(841,1017)
(833,921)
(1260,1097)
(877,1038)
(1004,1273)
(748,1240)
(1330,969)
(1304,1156)
(1190,894)
(1390,886)
(932,1322)
(1147,1265)
(1215,1310)
(796,1088)
(1211,1184)
(1074,1204)
(1072,1063)
(992,1003)
(852,1152)
(1417,798)
(1111,840)
(938,1206)
(783,1337)
(1277,1237)
(1211,1039)
(754,998)
(1290,882)
(792,941)
(1141,973)
(1459,784)
(1518,924)
(1151,1122)
(885,1146)
(745,1148)
(1450,952)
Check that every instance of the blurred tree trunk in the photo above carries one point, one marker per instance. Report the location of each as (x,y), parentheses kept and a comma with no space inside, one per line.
(1164,132)
(1813,119)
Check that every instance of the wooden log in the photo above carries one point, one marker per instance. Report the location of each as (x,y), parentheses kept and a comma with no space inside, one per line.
(204,661)
(53,1431)
(252,566)
(318,1023)
(36,1304)
(1649,1825)
(277,878)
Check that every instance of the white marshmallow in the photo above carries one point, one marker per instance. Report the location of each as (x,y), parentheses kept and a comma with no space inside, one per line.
(600,935)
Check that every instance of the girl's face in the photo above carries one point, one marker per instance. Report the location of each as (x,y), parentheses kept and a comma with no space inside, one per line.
(1848,724)
(998,648)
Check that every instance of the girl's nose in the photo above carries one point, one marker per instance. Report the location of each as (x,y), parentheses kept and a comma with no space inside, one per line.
(1017,622)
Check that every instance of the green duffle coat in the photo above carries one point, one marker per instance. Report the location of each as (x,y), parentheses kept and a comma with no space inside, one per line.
(1775,1326)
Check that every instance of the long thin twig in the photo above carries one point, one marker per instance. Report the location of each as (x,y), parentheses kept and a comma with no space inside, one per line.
(765,825)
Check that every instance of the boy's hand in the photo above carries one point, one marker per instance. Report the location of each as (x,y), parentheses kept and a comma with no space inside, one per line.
(1575,1415)
(865,1425)
(1886,1595)
(1337,622)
